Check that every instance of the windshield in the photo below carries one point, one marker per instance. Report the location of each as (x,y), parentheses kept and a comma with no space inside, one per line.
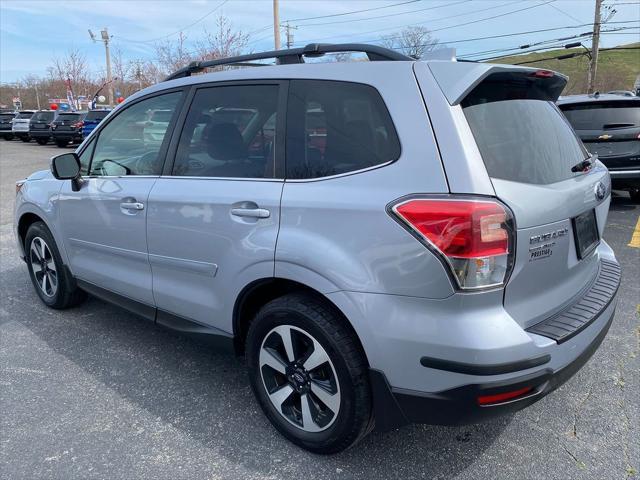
(96,115)
(525,141)
(604,115)
(24,115)
(43,116)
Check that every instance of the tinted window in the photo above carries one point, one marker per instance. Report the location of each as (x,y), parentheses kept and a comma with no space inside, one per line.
(524,141)
(128,145)
(23,115)
(69,117)
(85,158)
(337,127)
(43,116)
(229,132)
(601,116)
(96,115)
(5,117)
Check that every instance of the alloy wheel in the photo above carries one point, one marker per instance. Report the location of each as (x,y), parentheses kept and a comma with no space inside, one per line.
(299,378)
(44,267)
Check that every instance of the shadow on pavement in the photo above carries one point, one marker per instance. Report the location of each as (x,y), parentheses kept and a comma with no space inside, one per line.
(207,396)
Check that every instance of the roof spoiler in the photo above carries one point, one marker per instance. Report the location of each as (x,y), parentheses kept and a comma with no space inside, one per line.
(458,79)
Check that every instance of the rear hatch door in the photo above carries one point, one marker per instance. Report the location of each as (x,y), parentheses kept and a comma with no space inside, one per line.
(66,121)
(609,129)
(531,152)
(41,120)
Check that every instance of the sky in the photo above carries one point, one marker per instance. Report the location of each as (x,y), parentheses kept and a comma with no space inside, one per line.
(34,32)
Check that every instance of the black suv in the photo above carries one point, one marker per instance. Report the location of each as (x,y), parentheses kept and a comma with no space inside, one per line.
(68,128)
(40,125)
(609,126)
(6,117)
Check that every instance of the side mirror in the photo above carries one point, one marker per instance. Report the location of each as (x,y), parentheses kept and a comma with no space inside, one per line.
(67,167)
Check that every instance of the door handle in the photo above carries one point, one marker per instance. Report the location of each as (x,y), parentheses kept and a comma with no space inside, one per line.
(132,205)
(251,212)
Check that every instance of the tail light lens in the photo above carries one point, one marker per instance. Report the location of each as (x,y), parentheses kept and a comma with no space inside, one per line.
(77,124)
(474,238)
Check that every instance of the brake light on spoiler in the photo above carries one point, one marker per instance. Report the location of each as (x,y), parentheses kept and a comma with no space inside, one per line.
(473,237)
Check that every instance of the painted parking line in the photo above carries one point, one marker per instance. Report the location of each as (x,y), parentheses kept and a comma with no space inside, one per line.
(635,238)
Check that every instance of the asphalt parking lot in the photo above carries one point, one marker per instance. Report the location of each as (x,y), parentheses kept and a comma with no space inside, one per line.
(96,392)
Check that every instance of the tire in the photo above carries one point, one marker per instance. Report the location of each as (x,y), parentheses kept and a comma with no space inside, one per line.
(25,139)
(61,293)
(8,137)
(635,195)
(61,143)
(320,337)
(42,141)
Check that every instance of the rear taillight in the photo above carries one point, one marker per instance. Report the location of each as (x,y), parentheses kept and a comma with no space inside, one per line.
(473,237)
(77,124)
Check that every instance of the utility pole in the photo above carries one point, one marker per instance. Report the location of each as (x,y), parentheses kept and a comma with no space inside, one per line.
(289,34)
(595,42)
(37,95)
(276,24)
(104,35)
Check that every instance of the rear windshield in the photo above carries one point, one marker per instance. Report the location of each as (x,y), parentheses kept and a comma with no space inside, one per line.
(525,141)
(23,115)
(69,116)
(603,115)
(96,115)
(5,116)
(43,116)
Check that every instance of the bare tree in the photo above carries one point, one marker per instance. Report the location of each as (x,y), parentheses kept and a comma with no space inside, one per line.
(223,42)
(414,41)
(72,66)
(172,55)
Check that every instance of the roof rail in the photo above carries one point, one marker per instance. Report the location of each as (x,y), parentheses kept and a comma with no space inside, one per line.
(293,55)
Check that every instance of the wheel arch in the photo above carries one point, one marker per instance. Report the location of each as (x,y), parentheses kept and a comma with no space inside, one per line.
(25,221)
(262,291)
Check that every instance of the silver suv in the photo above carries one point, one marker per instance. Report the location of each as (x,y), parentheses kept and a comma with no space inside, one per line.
(386,242)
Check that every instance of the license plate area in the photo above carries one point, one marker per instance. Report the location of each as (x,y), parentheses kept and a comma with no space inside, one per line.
(585,232)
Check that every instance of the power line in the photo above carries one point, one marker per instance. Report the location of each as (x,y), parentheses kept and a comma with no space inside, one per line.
(352,12)
(387,15)
(180,30)
(566,14)
(418,23)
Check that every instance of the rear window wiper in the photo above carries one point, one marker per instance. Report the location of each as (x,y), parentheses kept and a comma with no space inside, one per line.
(583,166)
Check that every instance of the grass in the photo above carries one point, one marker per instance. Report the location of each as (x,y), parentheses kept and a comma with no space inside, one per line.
(617,69)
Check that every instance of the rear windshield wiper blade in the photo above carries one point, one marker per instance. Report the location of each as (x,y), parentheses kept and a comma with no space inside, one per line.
(583,166)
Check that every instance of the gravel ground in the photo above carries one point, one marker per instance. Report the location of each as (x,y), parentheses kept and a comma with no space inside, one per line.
(96,392)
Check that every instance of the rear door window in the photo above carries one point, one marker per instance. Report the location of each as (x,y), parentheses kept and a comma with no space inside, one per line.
(337,127)
(526,141)
(603,115)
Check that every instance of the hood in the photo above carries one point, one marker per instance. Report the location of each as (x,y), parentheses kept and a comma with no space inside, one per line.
(40,175)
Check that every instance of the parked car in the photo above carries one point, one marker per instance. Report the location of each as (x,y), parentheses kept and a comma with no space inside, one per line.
(40,125)
(67,128)
(92,119)
(20,125)
(399,267)
(625,93)
(155,126)
(609,127)
(6,124)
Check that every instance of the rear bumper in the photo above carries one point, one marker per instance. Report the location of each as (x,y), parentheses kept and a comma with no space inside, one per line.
(431,359)
(66,136)
(395,406)
(621,179)
(40,134)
